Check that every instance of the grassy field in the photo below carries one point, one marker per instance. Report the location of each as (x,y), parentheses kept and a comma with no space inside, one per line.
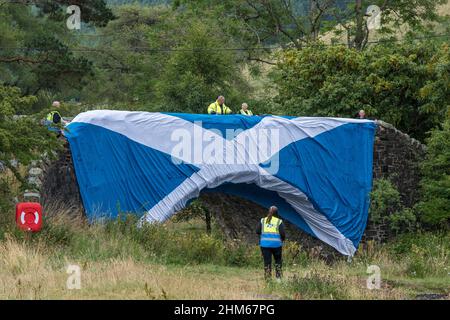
(179,261)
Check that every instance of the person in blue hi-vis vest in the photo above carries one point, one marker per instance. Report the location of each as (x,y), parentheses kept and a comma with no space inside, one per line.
(272,234)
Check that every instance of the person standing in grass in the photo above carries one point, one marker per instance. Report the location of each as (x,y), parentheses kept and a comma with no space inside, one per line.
(272,234)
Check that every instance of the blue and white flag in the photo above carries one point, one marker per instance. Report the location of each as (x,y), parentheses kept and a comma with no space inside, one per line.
(317,171)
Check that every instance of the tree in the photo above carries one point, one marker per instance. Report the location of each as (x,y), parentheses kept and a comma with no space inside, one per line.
(395,14)
(21,138)
(390,82)
(160,59)
(291,23)
(95,12)
(200,70)
(434,208)
(35,54)
(126,59)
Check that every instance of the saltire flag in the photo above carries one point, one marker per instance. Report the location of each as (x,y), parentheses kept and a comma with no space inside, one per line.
(317,171)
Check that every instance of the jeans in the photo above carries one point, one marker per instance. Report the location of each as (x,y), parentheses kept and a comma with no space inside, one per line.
(267,256)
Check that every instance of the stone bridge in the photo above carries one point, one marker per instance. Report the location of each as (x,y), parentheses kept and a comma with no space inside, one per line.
(396,156)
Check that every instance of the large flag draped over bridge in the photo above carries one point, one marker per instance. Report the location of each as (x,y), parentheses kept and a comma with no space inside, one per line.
(317,171)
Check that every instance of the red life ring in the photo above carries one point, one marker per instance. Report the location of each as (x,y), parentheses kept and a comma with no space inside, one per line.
(29,216)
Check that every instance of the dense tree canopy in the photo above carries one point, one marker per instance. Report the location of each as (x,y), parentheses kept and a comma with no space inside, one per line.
(168,64)
(21,138)
(404,84)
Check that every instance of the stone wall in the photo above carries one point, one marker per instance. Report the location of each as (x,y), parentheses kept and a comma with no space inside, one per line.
(61,183)
(54,181)
(396,156)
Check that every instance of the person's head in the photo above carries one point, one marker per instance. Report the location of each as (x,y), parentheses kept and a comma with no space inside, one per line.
(56,104)
(57,118)
(272,212)
(362,114)
(244,106)
(221,100)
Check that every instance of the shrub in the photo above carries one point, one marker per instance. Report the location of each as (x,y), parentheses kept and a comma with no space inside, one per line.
(6,206)
(338,81)
(294,255)
(240,254)
(403,221)
(425,254)
(416,268)
(205,249)
(317,285)
(386,207)
(385,200)
(435,205)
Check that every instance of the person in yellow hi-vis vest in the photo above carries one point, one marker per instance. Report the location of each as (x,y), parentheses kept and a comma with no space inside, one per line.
(219,107)
(272,234)
(245,110)
(53,121)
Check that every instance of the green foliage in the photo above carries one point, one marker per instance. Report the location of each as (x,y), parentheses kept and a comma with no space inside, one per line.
(93,11)
(316,285)
(21,138)
(195,210)
(141,2)
(386,207)
(163,243)
(435,204)
(404,220)
(61,71)
(240,254)
(391,83)
(425,254)
(165,60)
(37,48)
(200,71)
(384,200)
(6,204)
(298,23)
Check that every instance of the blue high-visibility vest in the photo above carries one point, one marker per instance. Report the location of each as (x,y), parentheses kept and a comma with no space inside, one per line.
(270,233)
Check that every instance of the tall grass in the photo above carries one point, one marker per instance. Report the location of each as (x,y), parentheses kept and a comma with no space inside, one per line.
(161,261)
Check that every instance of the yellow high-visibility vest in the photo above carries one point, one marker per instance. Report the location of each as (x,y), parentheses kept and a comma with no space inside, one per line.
(215,107)
(52,114)
(246,113)
(270,233)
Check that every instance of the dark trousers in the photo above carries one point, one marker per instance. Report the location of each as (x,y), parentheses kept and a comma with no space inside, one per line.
(267,254)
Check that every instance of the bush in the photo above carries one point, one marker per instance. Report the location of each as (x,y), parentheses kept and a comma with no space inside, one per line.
(384,200)
(403,221)
(205,249)
(339,81)
(416,268)
(6,205)
(316,285)
(435,205)
(425,254)
(386,207)
(240,254)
